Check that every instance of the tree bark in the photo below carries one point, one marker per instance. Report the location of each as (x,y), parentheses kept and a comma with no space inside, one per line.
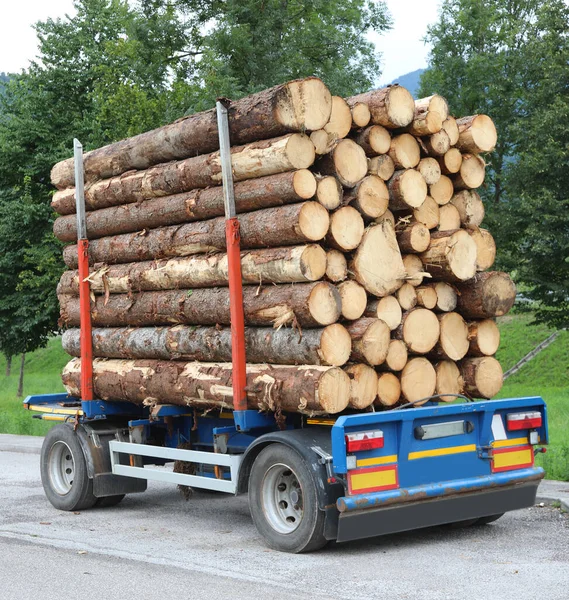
(363,385)
(387,309)
(413,238)
(451,256)
(419,329)
(370,197)
(470,207)
(482,376)
(488,295)
(453,340)
(346,229)
(388,389)
(346,161)
(418,381)
(430,170)
(330,345)
(301,105)
(375,140)
(477,134)
(279,226)
(272,265)
(354,299)
(404,151)
(309,390)
(305,304)
(336,266)
(407,189)
(382,166)
(392,106)
(484,338)
(370,340)
(20,392)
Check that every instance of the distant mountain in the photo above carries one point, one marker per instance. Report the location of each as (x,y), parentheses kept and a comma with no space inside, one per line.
(410,81)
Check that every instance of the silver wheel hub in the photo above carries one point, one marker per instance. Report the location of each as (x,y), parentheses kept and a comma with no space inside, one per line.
(281,495)
(61,468)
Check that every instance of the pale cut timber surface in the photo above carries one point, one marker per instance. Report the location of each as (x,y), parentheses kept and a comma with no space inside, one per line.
(482,376)
(197,205)
(437,144)
(323,141)
(450,126)
(392,106)
(336,266)
(446,296)
(377,262)
(305,304)
(300,105)
(476,134)
(329,192)
(442,191)
(272,265)
(470,207)
(432,103)
(386,216)
(407,189)
(388,389)
(346,229)
(405,151)
(414,268)
(429,169)
(406,296)
(370,340)
(305,389)
(397,356)
(485,247)
(490,294)
(484,338)
(370,197)
(453,341)
(346,161)
(374,139)
(419,329)
(382,166)
(387,309)
(471,173)
(450,162)
(449,218)
(330,345)
(426,296)
(414,238)
(425,123)
(361,115)
(451,256)
(340,122)
(363,385)
(354,299)
(428,213)
(418,381)
(449,380)
(280,226)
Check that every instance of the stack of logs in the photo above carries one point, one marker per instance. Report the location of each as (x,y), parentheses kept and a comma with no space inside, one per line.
(364,264)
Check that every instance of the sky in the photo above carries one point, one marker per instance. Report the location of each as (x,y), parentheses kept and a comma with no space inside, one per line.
(402,48)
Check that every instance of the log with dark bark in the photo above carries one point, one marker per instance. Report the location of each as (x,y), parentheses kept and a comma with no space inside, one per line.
(470,207)
(301,105)
(330,345)
(346,229)
(485,247)
(374,139)
(271,265)
(309,390)
(279,226)
(336,266)
(407,189)
(354,299)
(346,161)
(370,197)
(449,380)
(370,340)
(387,309)
(451,256)
(388,389)
(392,106)
(382,166)
(453,340)
(476,134)
(404,151)
(419,329)
(413,238)
(418,381)
(487,295)
(482,376)
(305,304)
(484,338)
(363,385)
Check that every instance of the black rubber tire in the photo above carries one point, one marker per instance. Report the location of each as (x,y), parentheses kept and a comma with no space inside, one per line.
(309,535)
(80,496)
(108,501)
(489,519)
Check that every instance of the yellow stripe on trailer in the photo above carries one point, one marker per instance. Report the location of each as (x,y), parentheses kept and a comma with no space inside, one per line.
(55,411)
(508,460)
(442,451)
(368,480)
(376,460)
(508,443)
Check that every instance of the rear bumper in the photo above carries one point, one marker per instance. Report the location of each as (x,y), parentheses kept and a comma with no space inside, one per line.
(402,510)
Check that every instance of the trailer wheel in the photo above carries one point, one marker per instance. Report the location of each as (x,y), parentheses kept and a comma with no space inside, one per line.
(488,520)
(283,501)
(64,470)
(107,501)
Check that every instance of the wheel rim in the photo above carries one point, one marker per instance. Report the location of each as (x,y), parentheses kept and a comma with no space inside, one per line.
(61,468)
(282,499)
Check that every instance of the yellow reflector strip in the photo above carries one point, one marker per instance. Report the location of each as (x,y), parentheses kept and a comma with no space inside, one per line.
(505,461)
(376,460)
(442,451)
(59,418)
(55,411)
(508,443)
(367,480)
(316,421)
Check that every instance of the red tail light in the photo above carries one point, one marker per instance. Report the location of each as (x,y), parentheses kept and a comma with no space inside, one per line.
(527,420)
(364,440)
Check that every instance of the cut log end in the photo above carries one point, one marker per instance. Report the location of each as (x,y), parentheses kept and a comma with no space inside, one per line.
(387,309)
(313,262)
(470,207)
(428,213)
(418,381)
(407,189)
(370,197)
(324,304)
(346,229)
(361,114)
(483,377)
(304,105)
(340,122)
(354,299)
(427,297)
(450,126)
(374,140)
(400,107)
(313,221)
(300,151)
(350,162)
(451,161)
(438,143)
(382,166)
(405,151)
(335,345)
(329,192)
(388,390)
(449,218)
(414,269)
(485,247)
(484,338)
(363,385)
(336,266)
(449,380)
(446,296)
(442,191)
(451,256)
(397,355)
(304,184)
(415,238)
(471,173)
(453,341)
(370,340)
(430,170)
(406,296)
(420,330)
(334,391)
(322,141)
(477,134)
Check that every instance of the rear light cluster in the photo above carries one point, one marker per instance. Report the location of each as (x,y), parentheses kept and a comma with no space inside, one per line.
(364,440)
(523,420)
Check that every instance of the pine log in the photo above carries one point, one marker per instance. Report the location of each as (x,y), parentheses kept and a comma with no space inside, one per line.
(386,216)
(330,345)
(453,341)
(446,296)
(388,389)
(470,207)
(485,247)
(429,169)
(370,197)
(425,123)
(442,191)
(392,106)
(450,126)
(329,192)
(361,115)
(382,166)
(370,340)
(346,229)
(336,266)
(414,270)
(340,122)
(450,162)
(406,296)
(323,142)
(280,226)
(259,159)
(449,380)
(451,256)
(397,356)
(476,134)
(271,265)
(377,263)
(197,205)
(488,295)
(482,376)
(387,309)
(363,385)
(354,299)
(428,213)
(471,173)
(419,329)
(418,381)
(407,189)
(374,139)
(426,296)
(346,161)
(484,338)
(434,103)
(414,238)
(449,218)
(305,304)
(404,151)
(301,105)
(304,389)
(437,144)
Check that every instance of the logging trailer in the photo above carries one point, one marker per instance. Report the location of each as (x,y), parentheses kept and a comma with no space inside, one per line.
(309,479)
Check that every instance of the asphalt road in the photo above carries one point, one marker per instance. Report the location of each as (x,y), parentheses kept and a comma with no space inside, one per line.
(158,546)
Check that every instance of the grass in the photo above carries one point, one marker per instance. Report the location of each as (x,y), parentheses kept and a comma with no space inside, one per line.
(547,375)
